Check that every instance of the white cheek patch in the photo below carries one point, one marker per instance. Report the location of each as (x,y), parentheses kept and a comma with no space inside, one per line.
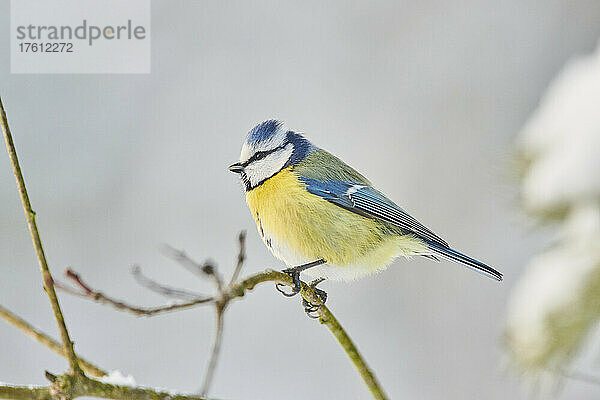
(265,168)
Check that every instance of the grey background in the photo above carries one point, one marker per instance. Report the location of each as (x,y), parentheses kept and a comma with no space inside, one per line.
(425,98)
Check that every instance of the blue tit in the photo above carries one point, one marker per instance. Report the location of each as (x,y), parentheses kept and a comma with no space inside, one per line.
(315,212)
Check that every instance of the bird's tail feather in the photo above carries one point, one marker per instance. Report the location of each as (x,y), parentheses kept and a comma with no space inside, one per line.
(457,257)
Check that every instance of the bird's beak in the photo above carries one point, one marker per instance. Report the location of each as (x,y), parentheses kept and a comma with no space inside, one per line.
(237,168)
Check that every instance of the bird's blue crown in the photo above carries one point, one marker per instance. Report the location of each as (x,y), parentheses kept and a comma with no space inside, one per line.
(274,130)
(264,131)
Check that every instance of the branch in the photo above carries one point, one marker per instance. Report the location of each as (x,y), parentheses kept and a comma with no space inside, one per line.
(161,289)
(325,317)
(46,340)
(239,289)
(25,393)
(37,244)
(240,259)
(220,306)
(74,386)
(201,270)
(214,354)
(88,293)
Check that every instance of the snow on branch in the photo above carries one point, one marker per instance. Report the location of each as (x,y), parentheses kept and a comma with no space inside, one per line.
(556,303)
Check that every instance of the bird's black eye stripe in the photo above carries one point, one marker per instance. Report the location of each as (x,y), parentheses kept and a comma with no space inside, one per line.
(259,155)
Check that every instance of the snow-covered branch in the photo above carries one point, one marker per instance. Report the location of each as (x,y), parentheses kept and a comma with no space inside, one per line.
(557,300)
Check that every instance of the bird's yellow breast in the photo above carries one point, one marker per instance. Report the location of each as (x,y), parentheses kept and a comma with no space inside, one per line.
(298,225)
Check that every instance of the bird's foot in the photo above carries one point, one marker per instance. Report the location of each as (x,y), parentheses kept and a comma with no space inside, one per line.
(294,273)
(312,309)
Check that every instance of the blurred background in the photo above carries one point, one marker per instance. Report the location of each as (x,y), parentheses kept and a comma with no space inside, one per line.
(425,98)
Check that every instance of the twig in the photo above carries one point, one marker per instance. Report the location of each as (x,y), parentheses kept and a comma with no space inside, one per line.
(161,289)
(185,261)
(46,340)
(37,244)
(91,294)
(325,317)
(202,270)
(220,307)
(240,259)
(74,386)
(214,354)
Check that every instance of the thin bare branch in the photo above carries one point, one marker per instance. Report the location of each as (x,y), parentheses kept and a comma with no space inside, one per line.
(46,340)
(326,318)
(88,293)
(240,259)
(220,307)
(161,289)
(37,244)
(202,270)
(214,354)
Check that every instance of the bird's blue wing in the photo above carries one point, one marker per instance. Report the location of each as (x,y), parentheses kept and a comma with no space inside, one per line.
(369,202)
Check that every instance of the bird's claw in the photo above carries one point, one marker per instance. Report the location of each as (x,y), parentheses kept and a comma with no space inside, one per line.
(312,309)
(295,275)
(280,286)
(309,308)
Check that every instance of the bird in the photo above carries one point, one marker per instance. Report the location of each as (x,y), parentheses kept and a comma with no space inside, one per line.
(320,216)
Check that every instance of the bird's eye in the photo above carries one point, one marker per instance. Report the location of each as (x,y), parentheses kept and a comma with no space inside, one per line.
(259,155)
